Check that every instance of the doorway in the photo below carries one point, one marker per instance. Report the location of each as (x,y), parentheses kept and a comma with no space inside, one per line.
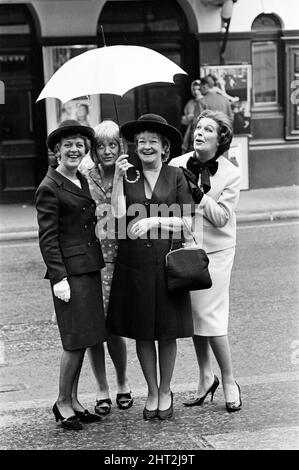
(163,27)
(20,67)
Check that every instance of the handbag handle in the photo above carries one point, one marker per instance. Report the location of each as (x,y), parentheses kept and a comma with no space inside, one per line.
(189,230)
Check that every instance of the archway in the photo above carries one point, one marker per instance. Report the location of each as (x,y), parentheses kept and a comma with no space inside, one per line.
(161,26)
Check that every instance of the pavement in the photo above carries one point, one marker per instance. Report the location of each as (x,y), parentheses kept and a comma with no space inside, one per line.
(18,221)
(266,421)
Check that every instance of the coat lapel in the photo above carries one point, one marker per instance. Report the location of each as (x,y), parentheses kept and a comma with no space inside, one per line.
(67,185)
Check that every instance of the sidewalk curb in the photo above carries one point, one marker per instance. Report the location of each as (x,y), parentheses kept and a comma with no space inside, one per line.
(32,234)
(267,216)
(19,235)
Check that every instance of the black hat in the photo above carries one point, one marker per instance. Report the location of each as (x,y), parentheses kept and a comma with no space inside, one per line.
(151,122)
(69,127)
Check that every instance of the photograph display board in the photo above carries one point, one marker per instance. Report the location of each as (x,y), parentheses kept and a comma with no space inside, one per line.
(236,82)
(85,109)
(238,155)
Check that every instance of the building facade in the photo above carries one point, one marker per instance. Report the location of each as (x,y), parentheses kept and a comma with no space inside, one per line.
(252,47)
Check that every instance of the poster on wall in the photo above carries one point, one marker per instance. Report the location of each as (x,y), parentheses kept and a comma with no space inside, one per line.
(85,109)
(235,81)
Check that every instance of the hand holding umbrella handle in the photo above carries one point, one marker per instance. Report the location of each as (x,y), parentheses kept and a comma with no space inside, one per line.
(122,150)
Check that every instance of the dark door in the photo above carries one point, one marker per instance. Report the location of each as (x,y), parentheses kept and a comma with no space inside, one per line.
(158,25)
(18,136)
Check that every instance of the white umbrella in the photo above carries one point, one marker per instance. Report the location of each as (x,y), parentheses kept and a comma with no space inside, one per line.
(109,69)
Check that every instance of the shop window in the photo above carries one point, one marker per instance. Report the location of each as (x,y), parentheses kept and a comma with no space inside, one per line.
(292,90)
(265,59)
(142,17)
(264,65)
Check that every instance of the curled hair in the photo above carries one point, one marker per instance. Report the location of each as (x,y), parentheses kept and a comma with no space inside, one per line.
(165,144)
(224,129)
(85,140)
(107,129)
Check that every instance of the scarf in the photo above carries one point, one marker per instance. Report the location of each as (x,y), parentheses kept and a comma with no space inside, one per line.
(206,169)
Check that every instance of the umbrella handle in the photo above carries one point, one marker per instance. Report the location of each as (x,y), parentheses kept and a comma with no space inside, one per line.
(122,150)
(122,147)
(135,180)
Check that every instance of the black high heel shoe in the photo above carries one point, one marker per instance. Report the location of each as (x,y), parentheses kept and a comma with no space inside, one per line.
(86,417)
(103,410)
(232,406)
(199,400)
(124,400)
(149,414)
(166,414)
(72,423)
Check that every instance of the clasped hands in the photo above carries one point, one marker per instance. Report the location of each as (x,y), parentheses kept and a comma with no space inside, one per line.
(62,290)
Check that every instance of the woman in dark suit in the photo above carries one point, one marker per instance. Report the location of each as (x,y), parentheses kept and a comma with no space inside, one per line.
(140,305)
(73,256)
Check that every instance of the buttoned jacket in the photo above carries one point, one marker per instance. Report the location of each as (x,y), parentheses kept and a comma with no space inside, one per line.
(215,218)
(66,220)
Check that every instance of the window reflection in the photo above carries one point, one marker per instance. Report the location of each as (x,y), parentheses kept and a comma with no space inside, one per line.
(264,61)
(142,16)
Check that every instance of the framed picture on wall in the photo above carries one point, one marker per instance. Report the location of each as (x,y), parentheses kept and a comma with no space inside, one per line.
(238,155)
(85,109)
(235,83)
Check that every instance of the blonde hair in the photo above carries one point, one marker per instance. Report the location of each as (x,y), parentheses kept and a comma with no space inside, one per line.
(107,129)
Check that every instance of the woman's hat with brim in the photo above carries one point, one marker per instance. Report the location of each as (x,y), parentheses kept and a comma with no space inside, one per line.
(68,128)
(153,123)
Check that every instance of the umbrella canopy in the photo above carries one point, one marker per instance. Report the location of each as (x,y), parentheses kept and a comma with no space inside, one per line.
(109,69)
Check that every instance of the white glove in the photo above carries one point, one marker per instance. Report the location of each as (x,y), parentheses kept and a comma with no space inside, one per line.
(62,290)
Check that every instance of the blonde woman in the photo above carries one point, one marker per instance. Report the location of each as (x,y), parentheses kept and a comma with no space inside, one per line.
(104,153)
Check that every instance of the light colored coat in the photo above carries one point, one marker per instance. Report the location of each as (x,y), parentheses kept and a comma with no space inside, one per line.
(215,215)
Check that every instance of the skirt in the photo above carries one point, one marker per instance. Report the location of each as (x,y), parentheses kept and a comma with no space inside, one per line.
(81,321)
(140,305)
(210,307)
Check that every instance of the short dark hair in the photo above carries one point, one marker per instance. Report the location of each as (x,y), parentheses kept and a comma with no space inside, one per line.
(204,81)
(213,77)
(225,129)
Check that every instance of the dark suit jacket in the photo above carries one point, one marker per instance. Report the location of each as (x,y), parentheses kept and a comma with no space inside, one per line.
(66,219)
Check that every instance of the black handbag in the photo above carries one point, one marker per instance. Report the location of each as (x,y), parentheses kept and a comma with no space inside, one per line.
(187,267)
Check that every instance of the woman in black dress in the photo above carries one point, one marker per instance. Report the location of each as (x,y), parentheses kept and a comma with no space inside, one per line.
(140,305)
(73,256)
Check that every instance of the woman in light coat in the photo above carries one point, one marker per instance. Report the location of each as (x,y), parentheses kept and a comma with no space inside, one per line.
(215,185)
